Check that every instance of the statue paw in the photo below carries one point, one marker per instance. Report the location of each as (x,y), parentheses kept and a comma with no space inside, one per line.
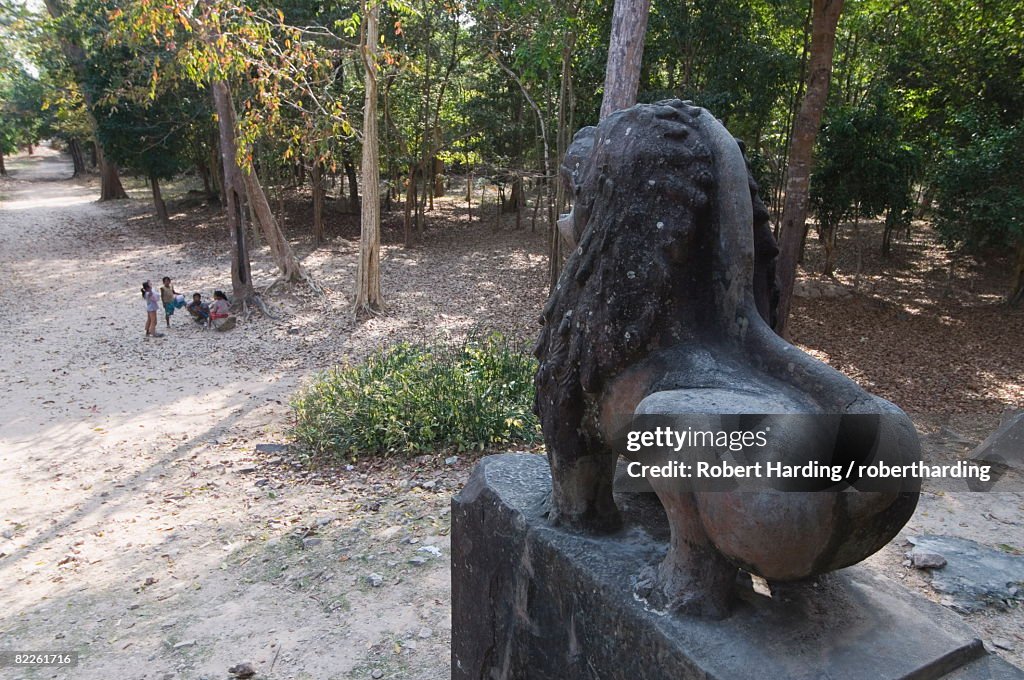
(676,592)
(591,520)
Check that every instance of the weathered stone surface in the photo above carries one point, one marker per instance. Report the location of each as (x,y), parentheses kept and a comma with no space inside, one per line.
(535,602)
(1006,444)
(975,576)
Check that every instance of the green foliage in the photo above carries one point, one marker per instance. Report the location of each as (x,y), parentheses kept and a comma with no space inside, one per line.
(863,166)
(980,187)
(413,398)
(22,120)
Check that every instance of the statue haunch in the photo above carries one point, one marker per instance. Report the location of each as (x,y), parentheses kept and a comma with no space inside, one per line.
(664,307)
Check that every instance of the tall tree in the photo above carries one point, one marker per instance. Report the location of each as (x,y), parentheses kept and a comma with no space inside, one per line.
(824,19)
(234,190)
(625,55)
(77,58)
(368,293)
(227,42)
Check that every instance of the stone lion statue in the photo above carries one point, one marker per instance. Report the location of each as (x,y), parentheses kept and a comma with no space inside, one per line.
(665,307)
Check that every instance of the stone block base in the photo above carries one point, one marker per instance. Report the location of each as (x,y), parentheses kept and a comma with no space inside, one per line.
(531,602)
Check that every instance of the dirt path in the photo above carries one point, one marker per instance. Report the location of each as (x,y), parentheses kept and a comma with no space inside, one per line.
(138,527)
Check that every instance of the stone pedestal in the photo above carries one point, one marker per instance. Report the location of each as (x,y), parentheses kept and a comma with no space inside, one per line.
(531,602)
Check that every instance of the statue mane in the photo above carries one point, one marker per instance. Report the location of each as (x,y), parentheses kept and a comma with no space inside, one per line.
(643,184)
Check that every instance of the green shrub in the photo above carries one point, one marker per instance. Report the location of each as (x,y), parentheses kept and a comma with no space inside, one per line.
(411,398)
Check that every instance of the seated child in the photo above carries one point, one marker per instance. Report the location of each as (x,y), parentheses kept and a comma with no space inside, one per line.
(199,310)
(220,312)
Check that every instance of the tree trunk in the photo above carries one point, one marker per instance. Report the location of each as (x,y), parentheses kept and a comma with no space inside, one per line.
(533,221)
(563,134)
(203,170)
(410,202)
(77,159)
(890,228)
(247,190)
(1017,294)
(110,181)
(158,201)
(368,293)
(859,249)
(292,270)
(515,196)
(353,182)
(828,242)
(554,266)
(625,54)
(317,179)
(438,183)
(218,175)
(825,17)
(3,168)
(234,195)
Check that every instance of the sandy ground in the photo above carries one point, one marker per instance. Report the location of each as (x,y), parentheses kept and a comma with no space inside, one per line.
(135,524)
(140,527)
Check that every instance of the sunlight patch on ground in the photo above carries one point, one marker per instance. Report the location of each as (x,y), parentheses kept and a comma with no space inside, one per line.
(50,202)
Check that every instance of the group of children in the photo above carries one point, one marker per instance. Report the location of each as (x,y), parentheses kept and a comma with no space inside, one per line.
(216,315)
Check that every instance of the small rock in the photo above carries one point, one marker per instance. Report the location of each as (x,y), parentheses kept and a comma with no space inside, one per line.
(184,644)
(418,561)
(431,549)
(924,559)
(242,670)
(375,580)
(425,633)
(451,460)
(324,521)
(377,674)
(311,542)
(1002,644)
(271,448)
(429,485)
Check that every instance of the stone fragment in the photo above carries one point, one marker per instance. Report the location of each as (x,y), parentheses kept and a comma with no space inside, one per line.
(242,670)
(923,559)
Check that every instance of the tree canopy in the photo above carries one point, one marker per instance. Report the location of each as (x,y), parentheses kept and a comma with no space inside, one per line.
(926,98)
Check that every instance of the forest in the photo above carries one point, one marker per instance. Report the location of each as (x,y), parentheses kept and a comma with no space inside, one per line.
(849,111)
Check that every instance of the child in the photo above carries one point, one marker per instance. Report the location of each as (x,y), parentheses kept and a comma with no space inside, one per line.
(220,312)
(171,299)
(149,295)
(199,310)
